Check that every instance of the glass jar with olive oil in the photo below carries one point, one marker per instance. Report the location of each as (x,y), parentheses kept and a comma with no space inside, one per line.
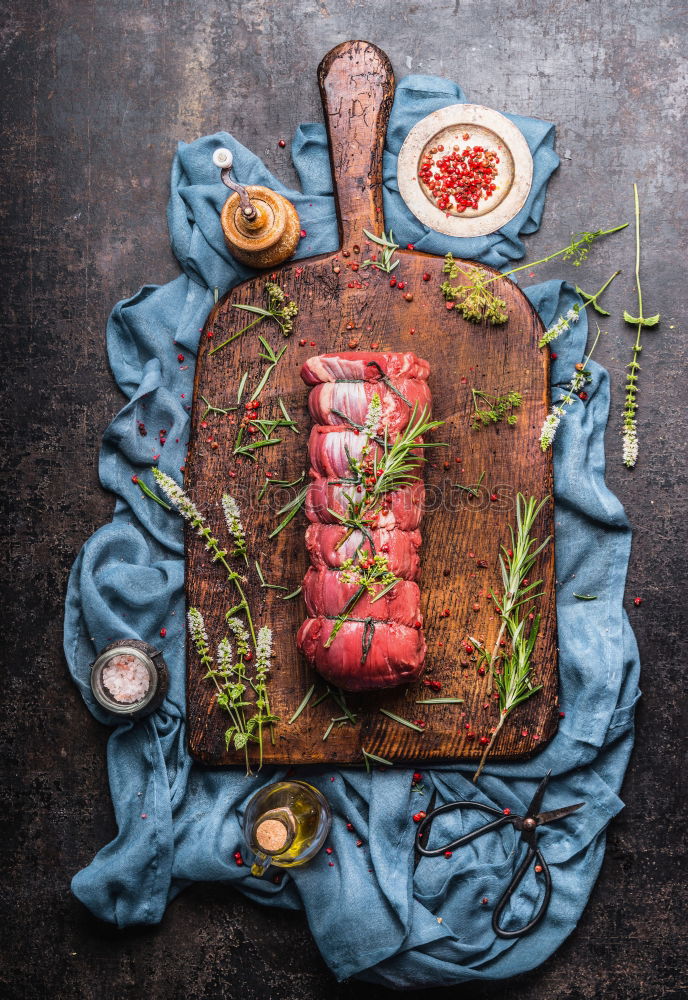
(286,824)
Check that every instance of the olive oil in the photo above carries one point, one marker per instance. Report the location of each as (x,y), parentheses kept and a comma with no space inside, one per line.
(286,825)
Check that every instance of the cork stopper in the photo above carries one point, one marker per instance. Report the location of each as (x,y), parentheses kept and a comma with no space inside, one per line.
(272,835)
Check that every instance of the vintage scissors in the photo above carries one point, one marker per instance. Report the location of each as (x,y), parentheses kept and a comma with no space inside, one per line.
(527,825)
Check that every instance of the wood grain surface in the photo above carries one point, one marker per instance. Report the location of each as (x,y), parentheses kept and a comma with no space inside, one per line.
(342,308)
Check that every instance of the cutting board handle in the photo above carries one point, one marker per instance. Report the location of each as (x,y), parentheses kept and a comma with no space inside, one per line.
(357,86)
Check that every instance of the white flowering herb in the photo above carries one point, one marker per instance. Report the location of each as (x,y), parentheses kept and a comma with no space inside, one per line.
(248,717)
(630,426)
(575,388)
(373,416)
(236,529)
(563,324)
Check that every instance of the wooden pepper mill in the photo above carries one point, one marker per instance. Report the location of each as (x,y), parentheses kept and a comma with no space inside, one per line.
(261,227)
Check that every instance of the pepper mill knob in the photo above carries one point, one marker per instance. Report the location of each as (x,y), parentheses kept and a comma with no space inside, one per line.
(261,228)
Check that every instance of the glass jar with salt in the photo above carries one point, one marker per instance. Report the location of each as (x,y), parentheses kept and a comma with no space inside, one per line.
(129,678)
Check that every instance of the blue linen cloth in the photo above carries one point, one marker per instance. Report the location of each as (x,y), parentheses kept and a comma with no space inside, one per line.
(371,914)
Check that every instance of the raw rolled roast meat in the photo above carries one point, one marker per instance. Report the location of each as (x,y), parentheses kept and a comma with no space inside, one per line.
(379,643)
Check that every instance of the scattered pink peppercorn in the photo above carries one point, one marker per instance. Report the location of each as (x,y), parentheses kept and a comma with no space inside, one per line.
(562,715)
(281,144)
(350,827)
(163,632)
(328,850)
(410,246)
(135,479)
(331,864)
(484,901)
(359,843)
(507,812)
(448,854)
(554,356)
(401,285)
(303,233)
(426,276)
(583,396)
(180,357)
(144,815)
(392,282)
(637,601)
(417,776)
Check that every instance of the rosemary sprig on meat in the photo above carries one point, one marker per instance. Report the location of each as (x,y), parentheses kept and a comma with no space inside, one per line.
(381,470)
(510,668)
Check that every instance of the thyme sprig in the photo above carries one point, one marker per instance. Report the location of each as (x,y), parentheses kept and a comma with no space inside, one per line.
(580,379)
(280,308)
(389,248)
(478,304)
(510,669)
(630,426)
(489,409)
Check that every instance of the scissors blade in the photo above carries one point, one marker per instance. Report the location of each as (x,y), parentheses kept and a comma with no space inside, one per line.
(555,814)
(536,801)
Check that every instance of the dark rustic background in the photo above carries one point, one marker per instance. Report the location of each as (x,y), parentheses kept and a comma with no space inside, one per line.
(97,95)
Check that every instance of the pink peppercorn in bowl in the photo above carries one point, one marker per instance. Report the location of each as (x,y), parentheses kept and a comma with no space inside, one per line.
(129,678)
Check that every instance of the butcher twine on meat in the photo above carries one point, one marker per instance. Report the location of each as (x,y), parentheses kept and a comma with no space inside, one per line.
(380,643)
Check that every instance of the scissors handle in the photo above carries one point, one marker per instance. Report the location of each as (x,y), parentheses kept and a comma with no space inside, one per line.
(501,820)
(533,854)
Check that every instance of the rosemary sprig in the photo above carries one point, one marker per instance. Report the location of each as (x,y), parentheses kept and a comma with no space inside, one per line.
(580,379)
(473,490)
(474,300)
(273,359)
(147,491)
(439,701)
(389,248)
(266,427)
(209,408)
(495,408)
(510,670)
(290,510)
(306,698)
(264,585)
(280,309)
(401,721)
(369,758)
(294,593)
(630,427)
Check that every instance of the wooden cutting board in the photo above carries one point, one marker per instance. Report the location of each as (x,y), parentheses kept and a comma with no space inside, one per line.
(341,308)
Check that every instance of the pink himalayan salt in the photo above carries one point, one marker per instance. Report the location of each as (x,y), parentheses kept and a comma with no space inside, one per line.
(126,679)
